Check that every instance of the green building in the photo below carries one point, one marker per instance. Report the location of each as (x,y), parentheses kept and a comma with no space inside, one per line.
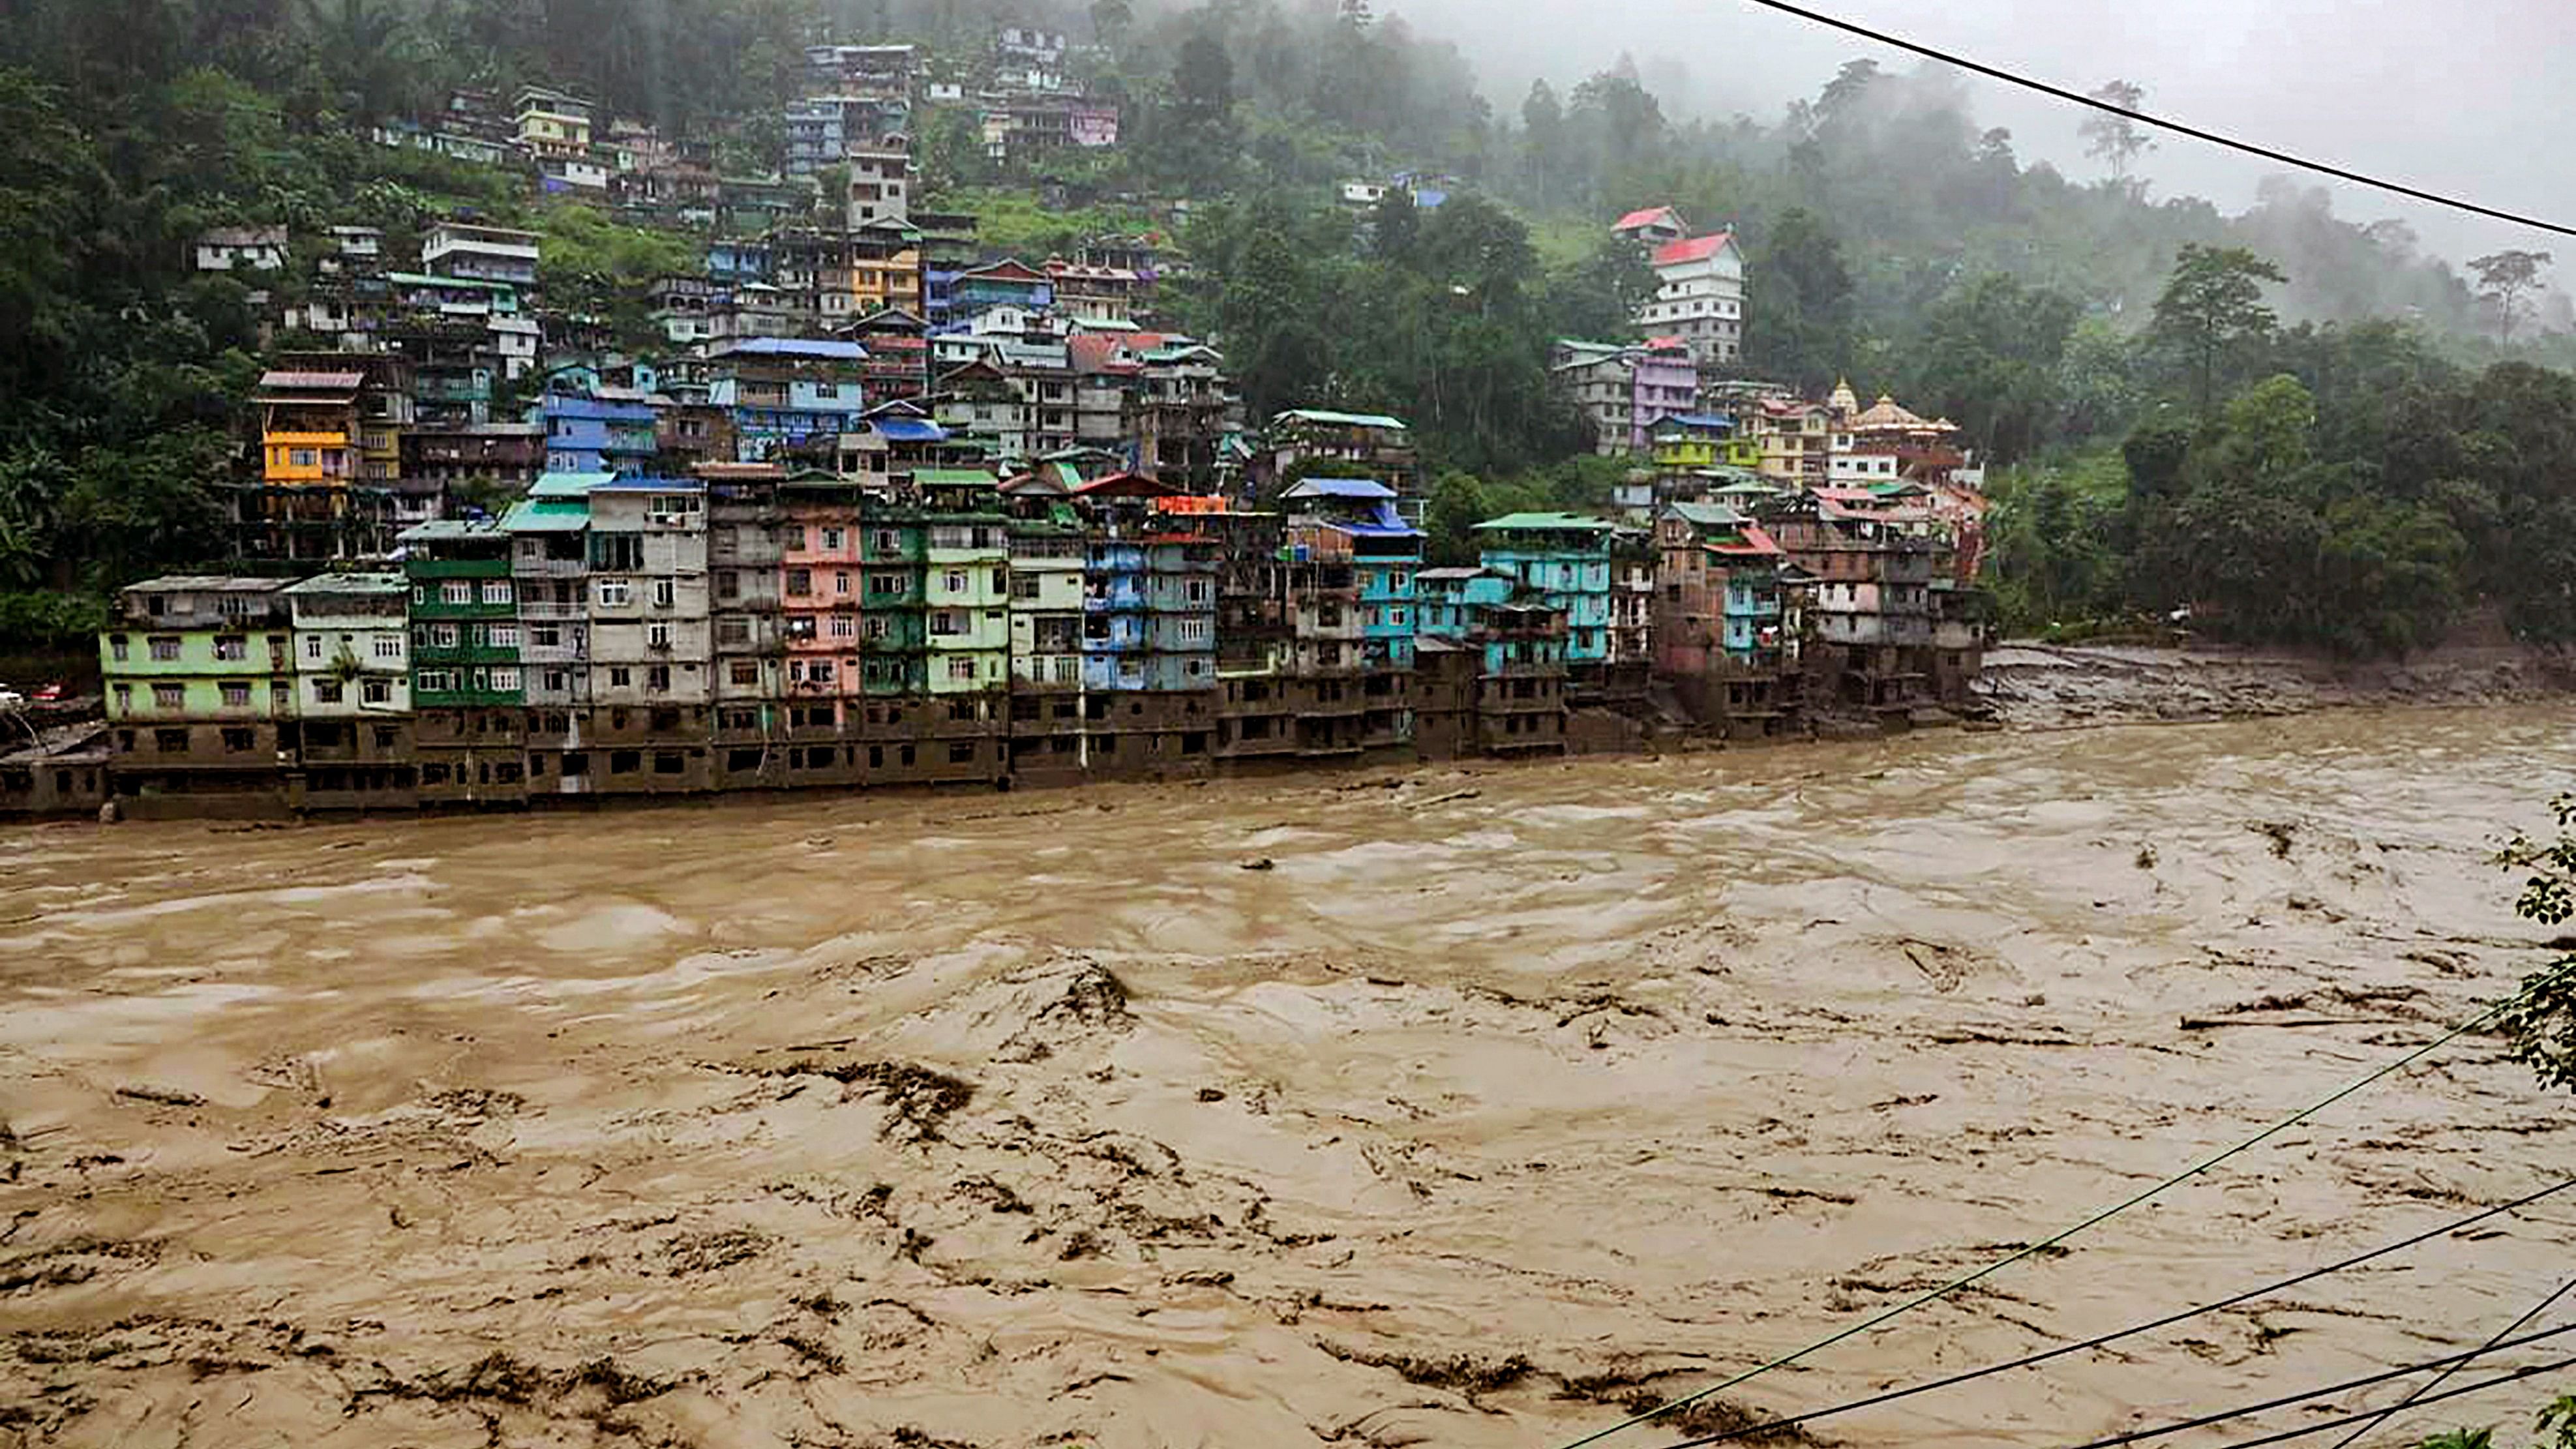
(200,681)
(467,689)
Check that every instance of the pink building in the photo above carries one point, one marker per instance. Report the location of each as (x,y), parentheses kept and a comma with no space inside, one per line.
(1093,123)
(1624,389)
(819,605)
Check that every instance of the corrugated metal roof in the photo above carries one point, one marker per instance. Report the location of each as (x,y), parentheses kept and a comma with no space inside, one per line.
(1368,488)
(313,381)
(546,516)
(1354,420)
(953,478)
(909,430)
(1537,521)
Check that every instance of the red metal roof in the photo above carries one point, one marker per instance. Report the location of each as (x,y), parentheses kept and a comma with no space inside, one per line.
(1696,249)
(1125,485)
(1645,216)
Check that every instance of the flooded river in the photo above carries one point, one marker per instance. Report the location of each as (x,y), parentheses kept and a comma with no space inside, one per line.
(1499,1097)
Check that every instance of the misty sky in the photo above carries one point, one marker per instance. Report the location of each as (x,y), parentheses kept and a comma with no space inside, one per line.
(2459,96)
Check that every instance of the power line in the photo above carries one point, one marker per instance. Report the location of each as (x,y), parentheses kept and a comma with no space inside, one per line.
(2177,127)
(1884,1316)
(2267,1290)
(2136,1436)
(2439,1379)
(2515,1377)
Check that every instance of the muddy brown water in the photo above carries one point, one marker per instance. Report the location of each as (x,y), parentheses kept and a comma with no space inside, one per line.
(1503,1095)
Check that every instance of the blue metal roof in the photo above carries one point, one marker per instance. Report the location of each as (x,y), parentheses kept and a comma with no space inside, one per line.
(909,430)
(1340,488)
(1696,420)
(796,347)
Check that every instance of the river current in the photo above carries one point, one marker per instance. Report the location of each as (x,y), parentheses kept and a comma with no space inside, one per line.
(1461,1107)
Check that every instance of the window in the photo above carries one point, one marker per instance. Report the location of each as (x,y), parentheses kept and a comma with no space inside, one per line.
(328,691)
(616,593)
(886,541)
(545,636)
(312,646)
(728,585)
(844,627)
(501,636)
(617,552)
(820,671)
(435,681)
(387,737)
(557,681)
(376,691)
(165,648)
(116,646)
(944,624)
(506,679)
(736,632)
(442,636)
(832,540)
(664,592)
(620,677)
(667,762)
(885,585)
(800,583)
(876,626)
(1397,617)
(1196,591)
(496,591)
(955,581)
(625,762)
(657,678)
(456,591)
(231,646)
(386,645)
(962,669)
(1024,586)
(841,583)
(961,752)
(124,698)
(744,672)
(657,635)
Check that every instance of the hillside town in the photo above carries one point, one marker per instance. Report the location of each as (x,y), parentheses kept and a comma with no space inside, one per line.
(886,507)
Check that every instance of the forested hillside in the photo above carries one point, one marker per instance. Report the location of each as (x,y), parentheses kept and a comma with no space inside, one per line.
(1891,239)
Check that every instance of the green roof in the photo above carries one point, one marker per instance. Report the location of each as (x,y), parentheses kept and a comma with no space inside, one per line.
(1707,515)
(471,284)
(569,485)
(953,478)
(1535,522)
(1356,420)
(539,515)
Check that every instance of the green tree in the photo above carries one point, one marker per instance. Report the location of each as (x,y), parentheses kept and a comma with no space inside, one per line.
(2212,316)
(2542,1017)
(1801,331)
(2506,279)
(1989,358)
(366,48)
(2116,140)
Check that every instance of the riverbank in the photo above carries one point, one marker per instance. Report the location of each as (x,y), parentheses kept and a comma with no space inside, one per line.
(2037,686)
(1491,1103)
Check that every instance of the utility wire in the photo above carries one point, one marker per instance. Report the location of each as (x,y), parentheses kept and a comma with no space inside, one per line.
(1954,1285)
(2266,1291)
(2515,1377)
(2439,1379)
(2177,127)
(2140,1435)
(2136,1436)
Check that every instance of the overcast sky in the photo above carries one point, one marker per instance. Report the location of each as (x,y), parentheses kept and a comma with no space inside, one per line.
(2468,97)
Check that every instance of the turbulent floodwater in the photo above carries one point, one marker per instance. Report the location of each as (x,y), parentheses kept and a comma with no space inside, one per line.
(1039,1119)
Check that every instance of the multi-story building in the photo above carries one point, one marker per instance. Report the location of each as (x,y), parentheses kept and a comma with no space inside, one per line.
(352,666)
(880,187)
(1178,411)
(822,594)
(746,554)
(1046,620)
(1622,389)
(506,457)
(885,268)
(1492,675)
(1364,445)
(651,652)
(1149,643)
(1867,589)
(550,572)
(1353,606)
(200,683)
(598,429)
(785,393)
(897,368)
(1566,558)
(452,249)
(948,251)
(1651,227)
(1699,296)
(1796,438)
(552,123)
(468,697)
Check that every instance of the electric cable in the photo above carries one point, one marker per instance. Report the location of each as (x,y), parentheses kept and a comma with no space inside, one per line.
(2517,1376)
(2170,1319)
(2439,1379)
(2177,127)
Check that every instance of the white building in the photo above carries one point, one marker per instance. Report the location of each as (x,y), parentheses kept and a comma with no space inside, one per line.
(482,253)
(1699,296)
(242,248)
(880,185)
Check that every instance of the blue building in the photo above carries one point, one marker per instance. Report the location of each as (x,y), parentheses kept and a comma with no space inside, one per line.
(1386,554)
(597,430)
(1565,557)
(786,393)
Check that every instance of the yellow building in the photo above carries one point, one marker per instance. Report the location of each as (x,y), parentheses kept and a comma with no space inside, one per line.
(308,421)
(885,268)
(1795,439)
